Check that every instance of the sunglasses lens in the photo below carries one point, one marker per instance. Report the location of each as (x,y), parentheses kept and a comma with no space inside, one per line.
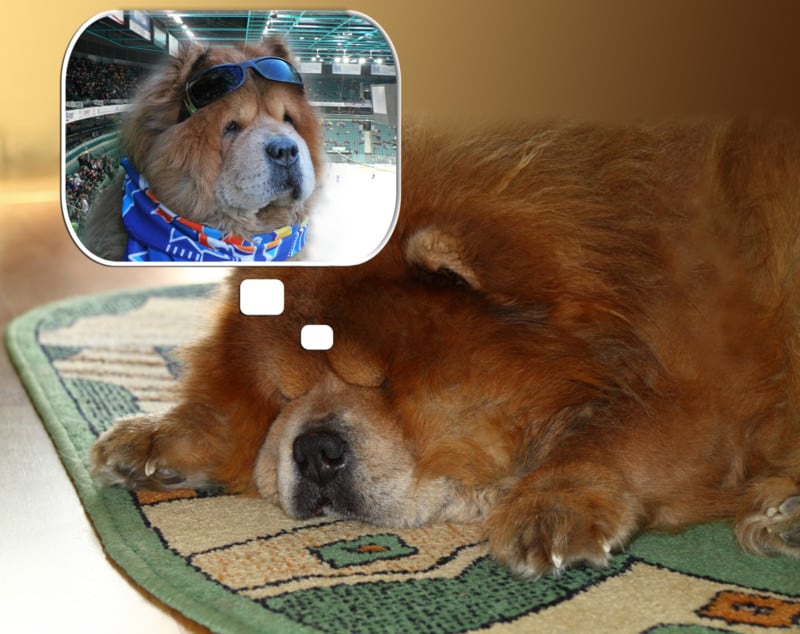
(277,69)
(214,84)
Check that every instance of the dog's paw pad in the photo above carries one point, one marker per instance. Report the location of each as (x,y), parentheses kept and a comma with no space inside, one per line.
(165,476)
(791,537)
(787,521)
(790,506)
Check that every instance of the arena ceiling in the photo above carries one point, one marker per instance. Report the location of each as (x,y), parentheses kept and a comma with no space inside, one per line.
(311,35)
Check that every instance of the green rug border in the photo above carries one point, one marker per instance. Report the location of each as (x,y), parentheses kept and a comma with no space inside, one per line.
(155,568)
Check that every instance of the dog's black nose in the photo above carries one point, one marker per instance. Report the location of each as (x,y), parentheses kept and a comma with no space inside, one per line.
(320,454)
(283,150)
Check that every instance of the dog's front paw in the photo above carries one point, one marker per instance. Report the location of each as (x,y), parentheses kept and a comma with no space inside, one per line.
(545,526)
(770,523)
(128,454)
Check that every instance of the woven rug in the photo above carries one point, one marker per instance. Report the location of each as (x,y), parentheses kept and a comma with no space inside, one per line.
(235,564)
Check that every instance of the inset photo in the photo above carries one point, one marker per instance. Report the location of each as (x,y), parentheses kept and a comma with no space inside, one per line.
(230,137)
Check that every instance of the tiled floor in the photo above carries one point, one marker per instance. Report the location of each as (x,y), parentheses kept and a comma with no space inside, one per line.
(56,577)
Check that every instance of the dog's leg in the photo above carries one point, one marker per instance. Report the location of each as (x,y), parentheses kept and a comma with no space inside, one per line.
(603,484)
(212,437)
(176,449)
(192,445)
(769,522)
(561,515)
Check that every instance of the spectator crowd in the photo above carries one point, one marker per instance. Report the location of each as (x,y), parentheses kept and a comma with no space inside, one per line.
(84,184)
(89,80)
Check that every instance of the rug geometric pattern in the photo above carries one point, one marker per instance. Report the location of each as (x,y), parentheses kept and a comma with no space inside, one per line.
(236,564)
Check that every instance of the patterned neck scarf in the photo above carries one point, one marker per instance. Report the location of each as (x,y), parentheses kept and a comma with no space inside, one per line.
(156,234)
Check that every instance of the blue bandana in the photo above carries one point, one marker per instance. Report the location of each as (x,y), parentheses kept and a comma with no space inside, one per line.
(156,234)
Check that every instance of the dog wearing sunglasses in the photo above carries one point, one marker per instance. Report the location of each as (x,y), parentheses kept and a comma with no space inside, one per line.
(222,158)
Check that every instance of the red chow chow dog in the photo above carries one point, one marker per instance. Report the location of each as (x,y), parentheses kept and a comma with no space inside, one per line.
(576,333)
(225,142)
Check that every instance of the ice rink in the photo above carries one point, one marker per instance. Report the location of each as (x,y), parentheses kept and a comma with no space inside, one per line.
(356,215)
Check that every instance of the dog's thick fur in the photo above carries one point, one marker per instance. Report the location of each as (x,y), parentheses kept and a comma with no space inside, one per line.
(213,167)
(576,333)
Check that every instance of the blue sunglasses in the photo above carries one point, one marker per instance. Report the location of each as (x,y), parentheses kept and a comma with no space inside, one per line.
(214,83)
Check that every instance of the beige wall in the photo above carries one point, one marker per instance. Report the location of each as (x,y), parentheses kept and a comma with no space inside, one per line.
(498,59)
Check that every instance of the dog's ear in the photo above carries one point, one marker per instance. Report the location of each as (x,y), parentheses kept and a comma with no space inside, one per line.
(443,255)
(275,46)
(159,101)
(190,59)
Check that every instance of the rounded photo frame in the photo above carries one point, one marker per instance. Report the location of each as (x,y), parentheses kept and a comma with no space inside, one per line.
(230,138)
